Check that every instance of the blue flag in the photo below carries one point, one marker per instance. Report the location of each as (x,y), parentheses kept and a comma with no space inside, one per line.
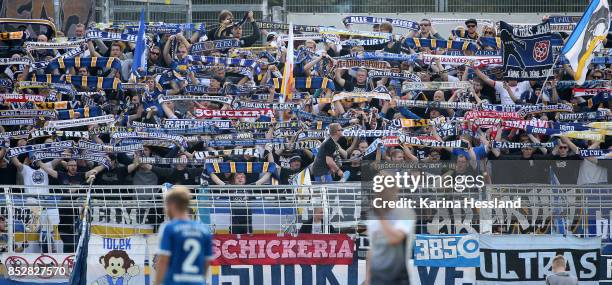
(139,66)
(527,52)
(79,272)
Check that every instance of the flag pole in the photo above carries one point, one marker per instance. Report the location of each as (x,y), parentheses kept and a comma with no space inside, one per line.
(550,71)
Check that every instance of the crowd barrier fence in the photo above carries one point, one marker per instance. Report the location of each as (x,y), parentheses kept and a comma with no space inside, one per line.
(45,219)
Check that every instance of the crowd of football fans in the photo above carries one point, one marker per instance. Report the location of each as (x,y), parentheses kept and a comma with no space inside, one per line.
(170,58)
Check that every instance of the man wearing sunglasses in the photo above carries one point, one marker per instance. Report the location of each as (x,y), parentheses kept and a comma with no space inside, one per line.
(471,26)
(565,160)
(427,31)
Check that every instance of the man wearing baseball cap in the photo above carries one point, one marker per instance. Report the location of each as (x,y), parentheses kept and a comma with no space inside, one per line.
(471,25)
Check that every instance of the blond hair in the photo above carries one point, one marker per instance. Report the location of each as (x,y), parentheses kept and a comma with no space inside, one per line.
(179,196)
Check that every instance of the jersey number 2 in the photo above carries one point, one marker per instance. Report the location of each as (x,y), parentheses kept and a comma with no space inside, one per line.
(193,248)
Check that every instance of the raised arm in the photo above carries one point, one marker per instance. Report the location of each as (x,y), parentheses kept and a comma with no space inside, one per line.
(484,77)
(52,172)
(17,163)
(166,51)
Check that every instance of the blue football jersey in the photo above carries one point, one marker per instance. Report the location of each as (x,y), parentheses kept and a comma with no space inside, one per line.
(189,245)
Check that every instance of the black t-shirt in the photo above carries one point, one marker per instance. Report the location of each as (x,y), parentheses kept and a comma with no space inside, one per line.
(115,176)
(287,174)
(64,179)
(187,176)
(283,159)
(488,93)
(327,148)
(565,168)
(68,216)
(351,85)
(9,175)
(514,169)
(355,172)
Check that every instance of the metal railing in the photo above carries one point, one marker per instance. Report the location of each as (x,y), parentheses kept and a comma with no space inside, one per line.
(438,6)
(45,219)
(181,11)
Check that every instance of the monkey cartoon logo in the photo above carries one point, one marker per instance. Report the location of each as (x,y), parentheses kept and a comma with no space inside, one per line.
(119,267)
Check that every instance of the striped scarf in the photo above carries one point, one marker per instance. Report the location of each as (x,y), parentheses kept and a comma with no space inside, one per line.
(303,115)
(108,36)
(227,152)
(362,96)
(599,136)
(261,105)
(568,84)
(193,123)
(88,156)
(266,125)
(68,54)
(285,27)
(200,89)
(27,113)
(17,61)
(80,81)
(246,71)
(380,56)
(201,47)
(17,122)
(7,36)
(363,42)
(367,64)
(175,161)
(59,105)
(365,34)
(98,62)
(53,146)
(70,123)
(444,44)
(518,145)
(570,126)
(499,107)
(53,45)
(11,98)
(430,142)
(227,61)
(85,112)
(14,135)
(435,85)
(240,167)
(218,99)
(395,75)
(145,135)
(239,113)
(60,134)
(597,115)
(184,131)
(243,143)
(166,28)
(406,24)
(541,108)
(435,104)
(595,152)
(306,83)
(108,148)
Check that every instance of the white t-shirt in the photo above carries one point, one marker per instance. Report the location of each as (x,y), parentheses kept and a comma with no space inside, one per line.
(317,228)
(591,173)
(517,90)
(33,177)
